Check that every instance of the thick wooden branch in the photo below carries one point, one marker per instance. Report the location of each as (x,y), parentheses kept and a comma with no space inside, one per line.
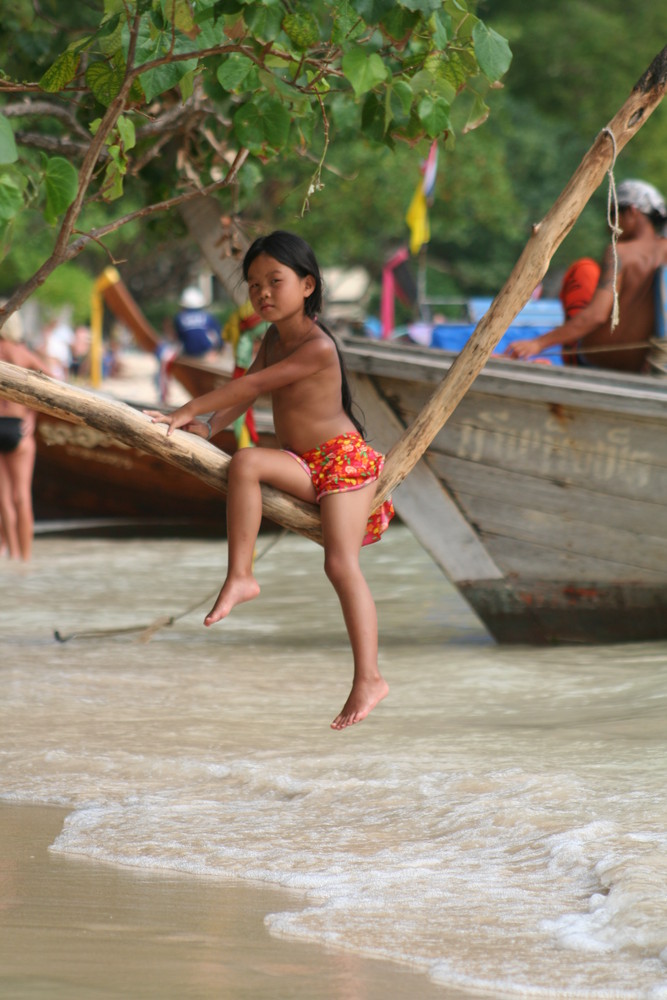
(134,428)
(526,275)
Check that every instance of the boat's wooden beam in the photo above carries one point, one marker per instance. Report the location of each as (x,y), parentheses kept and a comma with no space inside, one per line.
(423,503)
(186,451)
(529,270)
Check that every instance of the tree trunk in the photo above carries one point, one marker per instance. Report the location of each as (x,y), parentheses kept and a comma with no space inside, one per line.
(222,243)
(186,451)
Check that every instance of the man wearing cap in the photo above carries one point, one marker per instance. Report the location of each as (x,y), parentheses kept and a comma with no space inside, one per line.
(586,336)
(197,331)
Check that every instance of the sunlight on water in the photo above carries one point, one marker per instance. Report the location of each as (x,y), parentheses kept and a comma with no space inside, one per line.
(499,821)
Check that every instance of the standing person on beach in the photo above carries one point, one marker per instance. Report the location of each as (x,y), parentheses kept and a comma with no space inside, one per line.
(17,449)
(641,250)
(198,332)
(323,456)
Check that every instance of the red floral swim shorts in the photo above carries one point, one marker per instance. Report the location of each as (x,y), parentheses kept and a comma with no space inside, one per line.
(347,463)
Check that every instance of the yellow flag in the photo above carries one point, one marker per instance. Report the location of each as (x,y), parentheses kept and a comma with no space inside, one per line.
(417,220)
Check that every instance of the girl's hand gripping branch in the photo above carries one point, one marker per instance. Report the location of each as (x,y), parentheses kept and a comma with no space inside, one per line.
(182,418)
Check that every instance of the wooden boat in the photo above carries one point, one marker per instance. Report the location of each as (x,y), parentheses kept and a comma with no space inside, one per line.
(88,478)
(543,498)
(83,475)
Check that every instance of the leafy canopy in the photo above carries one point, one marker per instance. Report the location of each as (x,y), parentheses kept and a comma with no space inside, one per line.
(148,95)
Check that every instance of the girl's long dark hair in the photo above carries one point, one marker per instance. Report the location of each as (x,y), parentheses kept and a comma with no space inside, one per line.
(295,253)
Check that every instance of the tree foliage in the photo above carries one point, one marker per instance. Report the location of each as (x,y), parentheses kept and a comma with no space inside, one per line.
(149,102)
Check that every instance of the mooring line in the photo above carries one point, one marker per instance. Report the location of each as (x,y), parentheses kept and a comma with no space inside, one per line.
(145,632)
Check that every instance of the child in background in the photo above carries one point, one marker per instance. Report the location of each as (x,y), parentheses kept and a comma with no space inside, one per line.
(323,454)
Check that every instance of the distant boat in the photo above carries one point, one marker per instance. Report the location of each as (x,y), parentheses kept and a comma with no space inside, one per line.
(543,498)
(85,478)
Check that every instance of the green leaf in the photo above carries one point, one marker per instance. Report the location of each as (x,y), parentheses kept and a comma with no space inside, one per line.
(155,44)
(8,153)
(399,23)
(110,34)
(492,51)
(373,118)
(113,186)
(187,85)
(6,235)
(441,25)
(227,7)
(233,71)
(373,11)
(156,81)
(104,81)
(298,102)
(301,28)
(347,24)
(126,132)
(403,91)
(60,181)
(249,127)
(264,21)
(179,13)
(434,115)
(11,197)
(61,73)
(364,71)
(262,125)
(423,6)
(277,121)
(478,114)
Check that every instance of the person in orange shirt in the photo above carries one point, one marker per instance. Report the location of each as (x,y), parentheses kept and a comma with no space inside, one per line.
(588,335)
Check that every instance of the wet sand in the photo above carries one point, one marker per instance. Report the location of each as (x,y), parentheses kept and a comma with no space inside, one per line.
(71,928)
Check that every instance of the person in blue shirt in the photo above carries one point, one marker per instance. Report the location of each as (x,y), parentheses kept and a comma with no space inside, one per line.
(197,331)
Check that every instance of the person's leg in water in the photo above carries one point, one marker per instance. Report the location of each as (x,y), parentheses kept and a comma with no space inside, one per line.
(249,468)
(21,465)
(8,511)
(344,519)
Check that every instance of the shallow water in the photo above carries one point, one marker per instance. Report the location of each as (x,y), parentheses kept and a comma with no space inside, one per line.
(499,822)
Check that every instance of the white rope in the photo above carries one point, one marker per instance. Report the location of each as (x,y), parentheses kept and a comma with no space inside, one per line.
(612,222)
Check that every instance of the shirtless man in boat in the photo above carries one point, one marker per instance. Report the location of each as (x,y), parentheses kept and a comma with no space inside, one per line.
(587,329)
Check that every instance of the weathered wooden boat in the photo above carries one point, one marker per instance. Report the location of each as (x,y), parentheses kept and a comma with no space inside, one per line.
(90,479)
(86,475)
(544,496)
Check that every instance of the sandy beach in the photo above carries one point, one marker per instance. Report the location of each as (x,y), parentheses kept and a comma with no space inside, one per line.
(73,928)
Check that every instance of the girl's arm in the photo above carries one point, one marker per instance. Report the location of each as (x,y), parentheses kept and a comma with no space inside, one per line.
(216,401)
(237,396)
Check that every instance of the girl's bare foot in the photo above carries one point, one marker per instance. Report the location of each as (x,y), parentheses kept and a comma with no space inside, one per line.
(234,591)
(362,699)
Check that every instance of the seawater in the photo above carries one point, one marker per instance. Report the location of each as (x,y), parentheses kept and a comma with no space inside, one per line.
(499,822)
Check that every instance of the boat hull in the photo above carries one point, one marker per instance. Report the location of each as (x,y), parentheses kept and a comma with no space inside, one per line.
(82,474)
(542,612)
(544,496)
